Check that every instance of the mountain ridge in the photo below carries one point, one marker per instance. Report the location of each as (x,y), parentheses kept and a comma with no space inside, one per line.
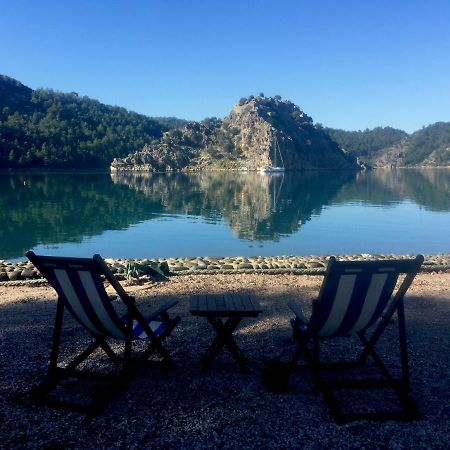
(49,129)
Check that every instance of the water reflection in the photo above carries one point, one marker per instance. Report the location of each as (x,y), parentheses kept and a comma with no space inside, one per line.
(429,188)
(50,209)
(256,206)
(59,208)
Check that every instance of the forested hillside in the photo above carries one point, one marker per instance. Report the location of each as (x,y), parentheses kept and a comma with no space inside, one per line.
(366,143)
(430,145)
(389,147)
(171,123)
(44,128)
(48,129)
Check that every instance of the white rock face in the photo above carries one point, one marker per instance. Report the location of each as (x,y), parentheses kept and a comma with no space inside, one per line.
(258,133)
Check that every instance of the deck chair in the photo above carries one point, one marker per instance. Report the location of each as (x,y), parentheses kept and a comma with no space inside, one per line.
(357,299)
(80,288)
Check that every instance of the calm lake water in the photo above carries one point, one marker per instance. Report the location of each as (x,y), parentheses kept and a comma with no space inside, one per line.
(224,214)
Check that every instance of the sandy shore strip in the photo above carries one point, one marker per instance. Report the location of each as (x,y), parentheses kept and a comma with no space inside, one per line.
(223,408)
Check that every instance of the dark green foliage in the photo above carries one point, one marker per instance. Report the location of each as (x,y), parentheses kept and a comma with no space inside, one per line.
(170,123)
(242,100)
(429,146)
(44,128)
(65,206)
(147,267)
(13,95)
(366,143)
(422,143)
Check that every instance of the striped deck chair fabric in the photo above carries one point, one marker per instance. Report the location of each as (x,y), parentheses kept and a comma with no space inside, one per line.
(356,297)
(79,283)
(80,286)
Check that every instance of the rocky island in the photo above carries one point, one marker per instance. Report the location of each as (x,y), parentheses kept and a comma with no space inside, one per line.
(256,132)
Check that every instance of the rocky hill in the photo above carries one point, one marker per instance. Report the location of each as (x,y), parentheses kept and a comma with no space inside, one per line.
(247,139)
(48,129)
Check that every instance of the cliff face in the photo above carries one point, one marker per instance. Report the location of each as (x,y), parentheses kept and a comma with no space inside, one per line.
(258,133)
(177,150)
(262,122)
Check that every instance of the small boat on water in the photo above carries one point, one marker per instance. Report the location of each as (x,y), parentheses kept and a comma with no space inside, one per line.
(271,169)
(275,167)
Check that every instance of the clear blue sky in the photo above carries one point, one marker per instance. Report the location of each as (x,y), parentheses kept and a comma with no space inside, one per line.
(349,64)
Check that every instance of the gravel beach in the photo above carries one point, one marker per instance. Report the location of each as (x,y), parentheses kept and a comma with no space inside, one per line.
(223,408)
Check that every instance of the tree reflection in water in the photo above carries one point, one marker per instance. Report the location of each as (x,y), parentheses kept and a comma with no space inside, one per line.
(57,207)
(256,206)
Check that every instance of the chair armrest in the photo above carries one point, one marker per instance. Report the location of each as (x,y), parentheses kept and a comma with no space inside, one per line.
(161,311)
(297,310)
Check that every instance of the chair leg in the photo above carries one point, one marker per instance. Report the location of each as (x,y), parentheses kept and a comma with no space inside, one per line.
(156,345)
(375,357)
(295,333)
(409,409)
(315,364)
(403,344)
(369,347)
(52,378)
(301,348)
(56,335)
(107,349)
(126,364)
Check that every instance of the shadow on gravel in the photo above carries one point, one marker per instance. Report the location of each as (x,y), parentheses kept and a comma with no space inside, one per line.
(223,408)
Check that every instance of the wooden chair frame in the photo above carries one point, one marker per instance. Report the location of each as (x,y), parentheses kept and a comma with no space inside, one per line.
(125,363)
(400,385)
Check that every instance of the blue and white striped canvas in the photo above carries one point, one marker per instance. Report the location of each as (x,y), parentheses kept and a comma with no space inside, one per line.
(354,295)
(85,297)
(79,285)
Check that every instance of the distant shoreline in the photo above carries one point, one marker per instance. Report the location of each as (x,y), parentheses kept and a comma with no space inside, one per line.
(107,170)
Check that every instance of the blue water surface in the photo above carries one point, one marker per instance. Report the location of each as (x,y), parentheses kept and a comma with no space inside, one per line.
(224,214)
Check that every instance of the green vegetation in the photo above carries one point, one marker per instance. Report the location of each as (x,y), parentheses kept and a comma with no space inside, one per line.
(48,129)
(368,142)
(61,207)
(430,144)
(44,128)
(170,122)
(66,207)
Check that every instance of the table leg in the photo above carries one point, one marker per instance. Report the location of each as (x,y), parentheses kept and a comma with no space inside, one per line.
(224,338)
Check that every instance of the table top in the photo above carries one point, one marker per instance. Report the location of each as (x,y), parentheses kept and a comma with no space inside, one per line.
(225,305)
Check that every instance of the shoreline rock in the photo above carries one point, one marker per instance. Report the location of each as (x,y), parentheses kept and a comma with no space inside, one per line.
(24,271)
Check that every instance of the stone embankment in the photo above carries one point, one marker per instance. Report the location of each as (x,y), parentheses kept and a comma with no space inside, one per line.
(135,268)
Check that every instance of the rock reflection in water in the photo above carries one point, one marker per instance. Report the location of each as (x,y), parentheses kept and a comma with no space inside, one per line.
(256,206)
(57,208)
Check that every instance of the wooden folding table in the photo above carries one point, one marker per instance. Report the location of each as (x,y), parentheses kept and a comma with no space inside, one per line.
(224,313)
